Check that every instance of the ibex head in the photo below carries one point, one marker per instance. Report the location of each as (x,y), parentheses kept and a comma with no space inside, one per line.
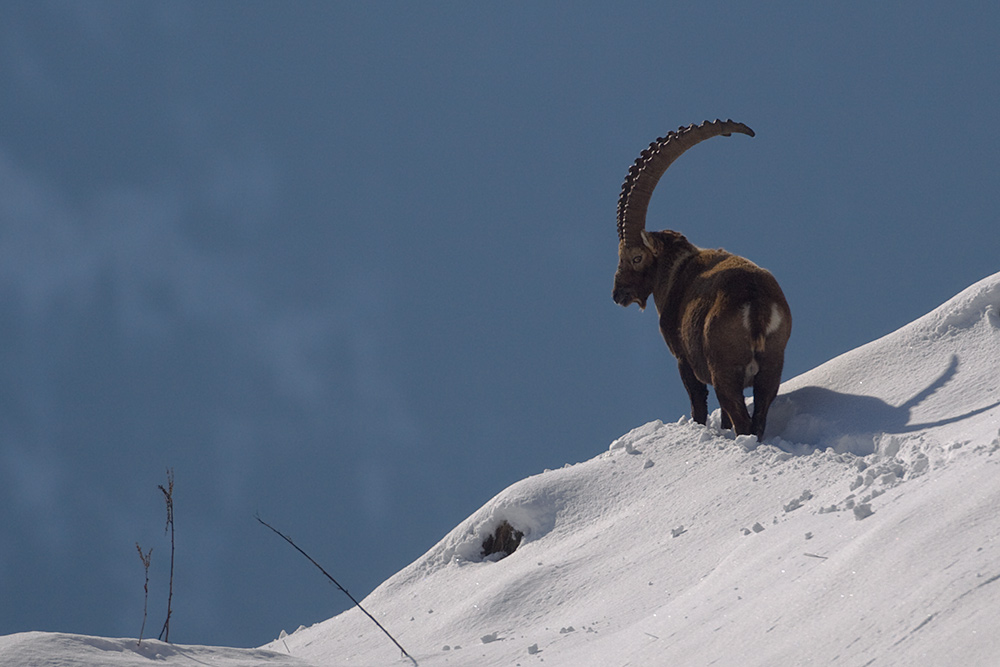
(638,250)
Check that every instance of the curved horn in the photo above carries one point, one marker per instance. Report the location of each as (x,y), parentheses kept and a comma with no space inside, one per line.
(644,174)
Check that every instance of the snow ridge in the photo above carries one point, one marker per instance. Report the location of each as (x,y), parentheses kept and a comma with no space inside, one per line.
(683,544)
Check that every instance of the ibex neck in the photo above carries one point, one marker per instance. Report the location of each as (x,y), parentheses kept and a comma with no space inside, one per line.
(672,266)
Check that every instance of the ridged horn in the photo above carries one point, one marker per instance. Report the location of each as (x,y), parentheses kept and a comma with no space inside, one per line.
(645,173)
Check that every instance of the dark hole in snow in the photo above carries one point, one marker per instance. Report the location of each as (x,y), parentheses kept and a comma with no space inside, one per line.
(504,541)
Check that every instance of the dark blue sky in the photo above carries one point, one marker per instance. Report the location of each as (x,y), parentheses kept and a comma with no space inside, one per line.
(349,264)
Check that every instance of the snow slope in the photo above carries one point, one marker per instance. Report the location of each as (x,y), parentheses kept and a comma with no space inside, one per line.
(864,531)
(58,649)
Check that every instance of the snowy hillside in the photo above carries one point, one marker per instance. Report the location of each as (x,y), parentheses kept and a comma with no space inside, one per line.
(864,531)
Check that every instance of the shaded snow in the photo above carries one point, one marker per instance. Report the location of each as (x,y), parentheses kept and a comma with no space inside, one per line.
(864,529)
(57,649)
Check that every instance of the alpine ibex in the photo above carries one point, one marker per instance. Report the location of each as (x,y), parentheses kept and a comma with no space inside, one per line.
(723,317)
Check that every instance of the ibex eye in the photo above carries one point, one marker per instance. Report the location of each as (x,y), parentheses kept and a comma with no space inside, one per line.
(637,259)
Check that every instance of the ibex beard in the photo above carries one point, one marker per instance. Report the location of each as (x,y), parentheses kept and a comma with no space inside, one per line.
(723,317)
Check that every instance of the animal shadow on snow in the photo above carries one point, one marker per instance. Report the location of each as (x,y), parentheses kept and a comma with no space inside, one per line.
(820,418)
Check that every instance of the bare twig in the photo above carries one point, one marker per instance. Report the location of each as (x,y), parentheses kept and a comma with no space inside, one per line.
(168,496)
(145,588)
(335,583)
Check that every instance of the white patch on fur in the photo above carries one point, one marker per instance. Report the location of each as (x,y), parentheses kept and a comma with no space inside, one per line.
(750,373)
(776,320)
(773,323)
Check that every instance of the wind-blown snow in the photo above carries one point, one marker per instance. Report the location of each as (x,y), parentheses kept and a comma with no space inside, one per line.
(863,531)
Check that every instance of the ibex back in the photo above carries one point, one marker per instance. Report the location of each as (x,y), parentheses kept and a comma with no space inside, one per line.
(723,317)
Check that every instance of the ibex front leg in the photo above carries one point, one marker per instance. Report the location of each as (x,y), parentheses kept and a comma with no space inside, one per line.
(697,392)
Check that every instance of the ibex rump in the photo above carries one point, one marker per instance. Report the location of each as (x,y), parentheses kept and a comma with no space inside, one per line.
(723,317)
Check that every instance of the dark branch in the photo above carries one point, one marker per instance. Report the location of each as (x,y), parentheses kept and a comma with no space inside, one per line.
(337,584)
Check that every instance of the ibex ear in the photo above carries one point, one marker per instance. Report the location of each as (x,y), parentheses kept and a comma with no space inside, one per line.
(654,244)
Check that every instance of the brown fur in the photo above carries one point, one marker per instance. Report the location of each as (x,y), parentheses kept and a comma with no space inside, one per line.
(702,297)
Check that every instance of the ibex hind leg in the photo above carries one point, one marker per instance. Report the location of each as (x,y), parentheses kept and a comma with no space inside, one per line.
(697,392)
(765,388)
(729,391)
(727,423)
